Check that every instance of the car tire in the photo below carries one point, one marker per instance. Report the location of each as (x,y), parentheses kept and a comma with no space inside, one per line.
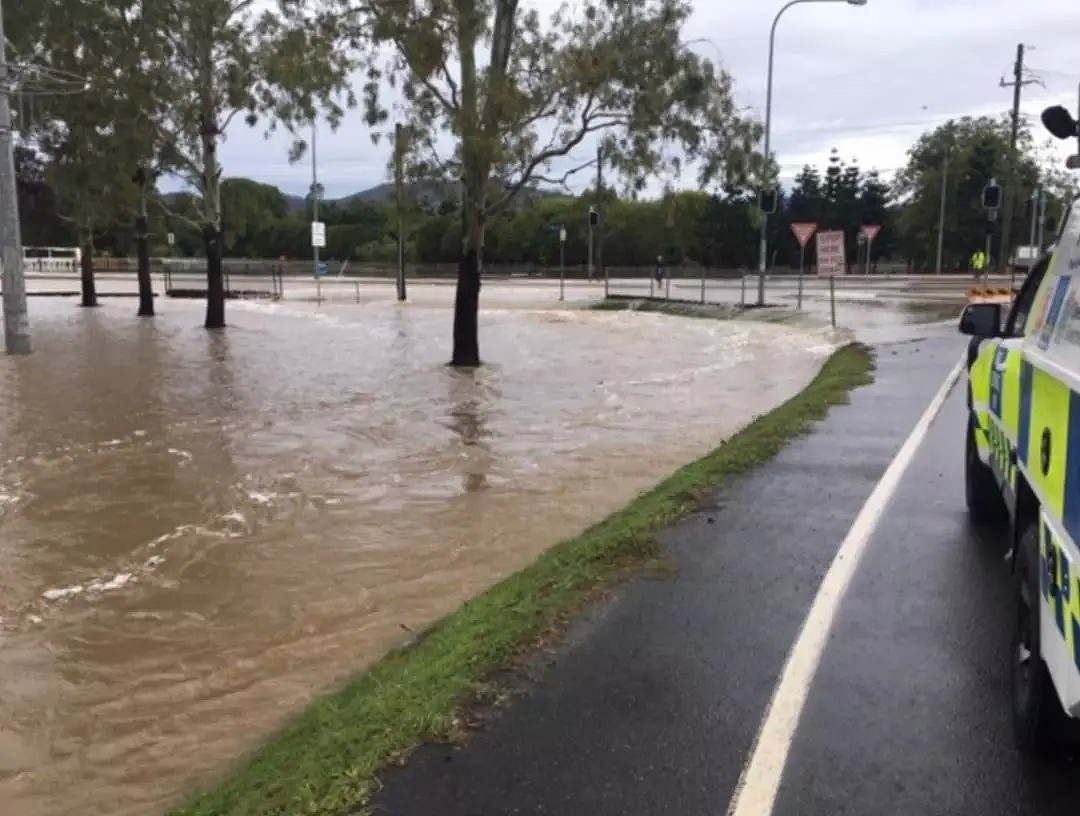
(984,501)
(1039,723)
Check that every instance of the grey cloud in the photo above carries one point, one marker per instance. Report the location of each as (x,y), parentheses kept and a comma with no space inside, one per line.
(868,80)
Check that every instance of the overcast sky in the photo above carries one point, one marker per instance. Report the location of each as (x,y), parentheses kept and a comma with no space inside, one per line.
(867,80)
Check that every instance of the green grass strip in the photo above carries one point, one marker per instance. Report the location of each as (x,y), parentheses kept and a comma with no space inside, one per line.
(327,759)
(712,311)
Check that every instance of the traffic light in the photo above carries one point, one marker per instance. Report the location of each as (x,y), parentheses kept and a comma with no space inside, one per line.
(594,217)
(769,200)
(992,196)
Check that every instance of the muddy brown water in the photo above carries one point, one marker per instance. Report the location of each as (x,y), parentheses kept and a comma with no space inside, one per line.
(199,532)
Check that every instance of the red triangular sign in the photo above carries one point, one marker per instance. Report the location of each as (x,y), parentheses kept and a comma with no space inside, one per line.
(804,232)
(871,231)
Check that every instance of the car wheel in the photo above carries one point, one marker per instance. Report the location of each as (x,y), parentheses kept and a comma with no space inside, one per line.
(1038,719)
(984,501)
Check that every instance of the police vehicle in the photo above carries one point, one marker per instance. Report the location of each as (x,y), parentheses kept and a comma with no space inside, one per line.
(1023,468)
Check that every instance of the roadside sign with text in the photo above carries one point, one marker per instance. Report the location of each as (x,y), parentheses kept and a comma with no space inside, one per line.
(831,257)
(804,232)
(871,231)
(318,234)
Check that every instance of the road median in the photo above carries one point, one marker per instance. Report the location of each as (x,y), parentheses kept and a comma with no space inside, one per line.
(327,759)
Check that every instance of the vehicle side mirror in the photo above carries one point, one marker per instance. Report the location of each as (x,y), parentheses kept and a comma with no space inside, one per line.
(981,320)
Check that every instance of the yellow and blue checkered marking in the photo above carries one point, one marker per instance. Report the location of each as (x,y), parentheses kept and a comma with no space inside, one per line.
(1061,589)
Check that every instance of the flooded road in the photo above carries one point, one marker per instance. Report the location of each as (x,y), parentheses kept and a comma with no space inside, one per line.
(200,531)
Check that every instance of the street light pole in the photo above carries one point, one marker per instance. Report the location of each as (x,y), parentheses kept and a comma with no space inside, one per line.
(763,256)
(941,216)
(315,193)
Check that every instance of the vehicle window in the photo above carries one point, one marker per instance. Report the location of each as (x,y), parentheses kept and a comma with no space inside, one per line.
(1018,317)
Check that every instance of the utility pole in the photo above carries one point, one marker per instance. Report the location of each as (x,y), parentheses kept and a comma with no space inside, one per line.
(16,322)
(941,216)
(1018,83)
(399,184)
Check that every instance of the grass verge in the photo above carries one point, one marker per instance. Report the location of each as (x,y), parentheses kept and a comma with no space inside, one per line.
(713,311)
(327,759)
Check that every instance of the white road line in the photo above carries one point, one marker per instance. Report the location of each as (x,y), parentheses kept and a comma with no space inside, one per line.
(755,794)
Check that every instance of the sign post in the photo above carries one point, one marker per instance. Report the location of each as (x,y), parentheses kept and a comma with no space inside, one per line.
(562,263)
(832,261)
(803,233)
(831,255)
(871,231)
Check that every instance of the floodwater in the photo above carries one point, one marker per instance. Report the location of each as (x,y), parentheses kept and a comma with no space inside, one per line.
(200,531)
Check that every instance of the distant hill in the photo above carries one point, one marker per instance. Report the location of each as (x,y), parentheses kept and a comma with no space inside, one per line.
(384,194)
(379,194)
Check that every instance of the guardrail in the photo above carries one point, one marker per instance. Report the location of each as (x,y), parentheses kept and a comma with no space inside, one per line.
(269,285)
(50,266)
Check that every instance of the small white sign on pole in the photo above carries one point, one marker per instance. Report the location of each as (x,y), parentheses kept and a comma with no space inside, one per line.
(318,234)
(831,257)
(171,238)
(562,235)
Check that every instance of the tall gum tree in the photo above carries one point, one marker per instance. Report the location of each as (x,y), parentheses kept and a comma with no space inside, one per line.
(89,112)
(524,95)
(276,62)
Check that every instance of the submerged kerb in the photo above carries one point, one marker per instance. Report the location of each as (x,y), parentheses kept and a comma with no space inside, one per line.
(326,760)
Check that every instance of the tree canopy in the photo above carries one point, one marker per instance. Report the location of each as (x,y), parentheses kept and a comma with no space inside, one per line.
(977,150)
(543,89)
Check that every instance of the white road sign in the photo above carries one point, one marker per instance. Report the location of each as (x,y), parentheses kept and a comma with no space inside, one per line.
(318,234)
(831,259)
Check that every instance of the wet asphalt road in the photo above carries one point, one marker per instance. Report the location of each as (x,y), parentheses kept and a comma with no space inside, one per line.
(652,704)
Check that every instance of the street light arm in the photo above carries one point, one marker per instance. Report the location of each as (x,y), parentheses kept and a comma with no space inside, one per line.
(769,89)
(763,257)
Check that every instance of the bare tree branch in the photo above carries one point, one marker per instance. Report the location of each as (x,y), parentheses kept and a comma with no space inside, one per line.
(588,125)
(228,119)
(179,216)
(565,177)
(450,83)
(451,107)
(502,40)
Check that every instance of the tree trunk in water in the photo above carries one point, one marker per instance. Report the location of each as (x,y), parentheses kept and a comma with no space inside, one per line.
(146,289)
(466,312)
(215,280)
(86,267)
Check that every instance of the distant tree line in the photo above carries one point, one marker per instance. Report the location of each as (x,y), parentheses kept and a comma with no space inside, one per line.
(152,89)
(684,228)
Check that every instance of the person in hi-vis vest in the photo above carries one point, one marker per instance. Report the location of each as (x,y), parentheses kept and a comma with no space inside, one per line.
(978,261)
